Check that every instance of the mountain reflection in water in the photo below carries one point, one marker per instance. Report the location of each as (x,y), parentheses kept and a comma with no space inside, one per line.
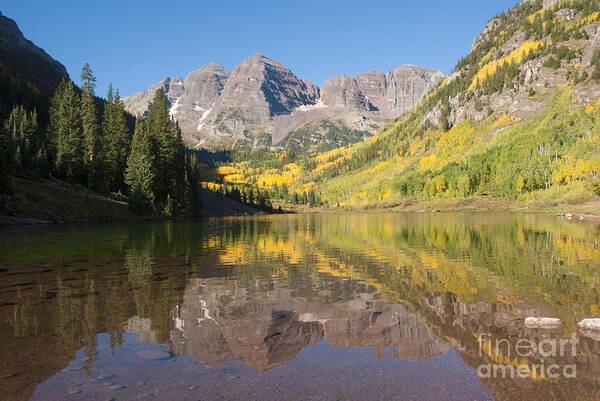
(274,306)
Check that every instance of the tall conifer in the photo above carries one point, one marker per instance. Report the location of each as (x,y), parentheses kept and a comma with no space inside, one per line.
(116,139)
(93,162)
(69,135)
(140,173)
(160,131)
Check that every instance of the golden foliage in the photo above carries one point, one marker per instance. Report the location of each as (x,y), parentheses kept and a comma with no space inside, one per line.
(541,12)
(516,56)
(571,170)
(504,121)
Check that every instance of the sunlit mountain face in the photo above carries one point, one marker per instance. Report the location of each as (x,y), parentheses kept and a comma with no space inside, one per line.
(337,306)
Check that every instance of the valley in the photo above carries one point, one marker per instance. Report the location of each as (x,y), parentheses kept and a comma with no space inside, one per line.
(377,219)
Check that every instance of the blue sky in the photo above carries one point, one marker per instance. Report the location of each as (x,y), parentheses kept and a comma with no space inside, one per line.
(136,43)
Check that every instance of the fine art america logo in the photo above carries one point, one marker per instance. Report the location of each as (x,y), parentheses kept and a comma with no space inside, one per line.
(509,359)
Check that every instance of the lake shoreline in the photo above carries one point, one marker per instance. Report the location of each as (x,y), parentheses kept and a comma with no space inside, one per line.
(51,201)
(56,202)
(589,209)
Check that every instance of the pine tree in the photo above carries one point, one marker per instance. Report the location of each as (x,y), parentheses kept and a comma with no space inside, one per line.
(312,198)
(444,114)
(116,140)
(140,175)
(23,140)
(110,93)
(169,154)
(13,128)
(5,157)
(26,136)
(93,162)
(159,131)
(67,135)
(178,172)
(54,113)
(193,192)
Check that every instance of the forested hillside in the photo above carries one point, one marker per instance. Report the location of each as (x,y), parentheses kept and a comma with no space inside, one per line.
(518,119)
(88,144)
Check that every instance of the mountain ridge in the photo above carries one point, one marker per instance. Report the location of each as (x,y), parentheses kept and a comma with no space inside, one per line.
(261,102)
(26,70)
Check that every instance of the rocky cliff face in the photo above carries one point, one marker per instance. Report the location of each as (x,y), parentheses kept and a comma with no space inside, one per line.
(258,91)
(261,101)
(381,95)
(139,103)
(189,99)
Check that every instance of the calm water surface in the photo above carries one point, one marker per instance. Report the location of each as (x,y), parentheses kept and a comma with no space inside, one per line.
(330,307)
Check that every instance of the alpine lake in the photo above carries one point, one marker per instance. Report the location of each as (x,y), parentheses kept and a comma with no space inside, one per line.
(339,306)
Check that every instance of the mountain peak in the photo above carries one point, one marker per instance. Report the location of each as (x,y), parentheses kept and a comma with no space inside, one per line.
(262,59)
(262,97)
(213,65)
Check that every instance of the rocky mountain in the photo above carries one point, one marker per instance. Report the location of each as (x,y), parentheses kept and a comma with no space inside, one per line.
(25,69)
(189,98)
(384,95)
(261,101)
(258,91)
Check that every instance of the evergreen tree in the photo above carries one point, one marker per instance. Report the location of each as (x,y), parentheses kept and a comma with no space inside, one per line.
(93,162)
(53,114)
(67,135)
(178,172)
(5,156)
(169,155)
(312,198)
(14,125)
(140,174)
(444,114)
(116,140)
(159,132)
(26,137)
(110,93)
(22,141)
(193,191)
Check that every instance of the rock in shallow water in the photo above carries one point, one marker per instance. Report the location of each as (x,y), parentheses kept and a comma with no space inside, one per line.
(590,324)
(590,328)
(542,323)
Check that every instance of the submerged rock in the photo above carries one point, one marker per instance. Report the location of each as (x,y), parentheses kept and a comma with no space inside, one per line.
(542,323)
(590,328)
